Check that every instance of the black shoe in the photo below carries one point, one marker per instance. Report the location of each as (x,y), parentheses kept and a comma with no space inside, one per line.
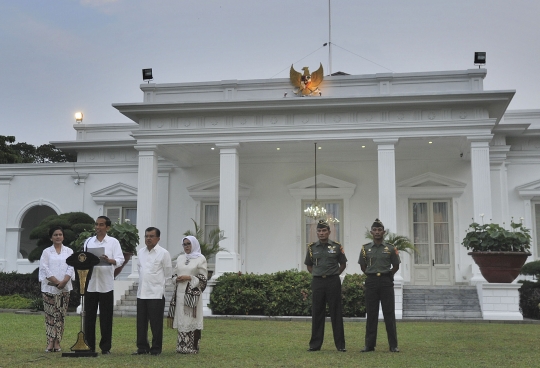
(155,352)
(342,350)
(139,352)
(366,349)
(105,352)
(394,350)
(313,349)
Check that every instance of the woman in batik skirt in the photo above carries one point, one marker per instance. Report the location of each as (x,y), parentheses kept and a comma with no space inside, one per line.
(191,276)
(55,277)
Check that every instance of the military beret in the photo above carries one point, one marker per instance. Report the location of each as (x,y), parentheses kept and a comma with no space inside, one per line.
(323,224)
(377,223)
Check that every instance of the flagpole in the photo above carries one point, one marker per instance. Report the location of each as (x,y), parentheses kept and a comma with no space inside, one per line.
(329,38)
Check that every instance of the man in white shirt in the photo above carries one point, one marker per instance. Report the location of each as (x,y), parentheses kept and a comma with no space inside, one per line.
(155,270)
(100,291)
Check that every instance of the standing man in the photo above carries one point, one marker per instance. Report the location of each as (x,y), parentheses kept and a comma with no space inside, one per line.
(326,260)
(379,261)
(100,292)
(155,269)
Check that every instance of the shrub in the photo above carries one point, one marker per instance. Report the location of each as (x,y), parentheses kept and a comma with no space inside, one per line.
(14,301)
(529,299)
(352,291)
(19,283)
(72,222)
(284,293)
(531,269)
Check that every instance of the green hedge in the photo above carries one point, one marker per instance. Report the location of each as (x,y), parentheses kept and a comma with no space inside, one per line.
(15,301)
(28,286)
(285,293)
(529,299)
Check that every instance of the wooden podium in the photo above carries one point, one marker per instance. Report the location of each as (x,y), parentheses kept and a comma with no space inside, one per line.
(83,263)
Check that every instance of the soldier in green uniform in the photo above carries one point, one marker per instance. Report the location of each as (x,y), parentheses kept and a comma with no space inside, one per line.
(325,260)
(379,261)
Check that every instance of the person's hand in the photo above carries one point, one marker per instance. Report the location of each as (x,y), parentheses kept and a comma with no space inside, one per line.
(61,285)
(183,278)
(106,259)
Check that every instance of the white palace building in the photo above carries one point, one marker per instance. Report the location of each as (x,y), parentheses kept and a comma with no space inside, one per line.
(424,152)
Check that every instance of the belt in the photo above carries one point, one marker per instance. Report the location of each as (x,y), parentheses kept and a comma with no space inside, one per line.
(379,274)
(325,276)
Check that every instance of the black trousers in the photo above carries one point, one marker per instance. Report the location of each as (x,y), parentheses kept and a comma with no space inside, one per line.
(150,310)
(380,289)
(105,301)
(326,290)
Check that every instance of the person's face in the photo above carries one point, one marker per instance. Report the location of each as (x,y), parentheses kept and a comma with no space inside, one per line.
(187,245)
(101,227)
(57,237)
(151,239)
(323,234)
(377,233)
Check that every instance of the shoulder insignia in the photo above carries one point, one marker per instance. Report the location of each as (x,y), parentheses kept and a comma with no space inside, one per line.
(310,251)
(338,243)
(364,251)
(397,252)
(342,250)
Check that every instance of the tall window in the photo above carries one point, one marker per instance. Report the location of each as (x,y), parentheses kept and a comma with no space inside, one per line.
(431,232)
(334,213)
(537,226)
(210,221)
(121,214)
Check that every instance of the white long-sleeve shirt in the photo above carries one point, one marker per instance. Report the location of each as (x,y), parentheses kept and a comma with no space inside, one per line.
(155,270)
(54,264)
(102,279)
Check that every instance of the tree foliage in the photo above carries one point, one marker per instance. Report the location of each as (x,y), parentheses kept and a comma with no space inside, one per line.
(209,246)
(73,224)
(24,153)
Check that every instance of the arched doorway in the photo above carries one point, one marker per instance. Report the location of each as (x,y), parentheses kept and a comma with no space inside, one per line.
(31,219)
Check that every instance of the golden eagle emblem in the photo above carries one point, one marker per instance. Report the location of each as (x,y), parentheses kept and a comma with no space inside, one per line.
(308,83)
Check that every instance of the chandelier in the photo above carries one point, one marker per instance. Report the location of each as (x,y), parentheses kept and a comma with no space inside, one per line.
(316,211)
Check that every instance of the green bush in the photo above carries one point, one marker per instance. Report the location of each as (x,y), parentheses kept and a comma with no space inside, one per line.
(72,222)
(352,292)
(285,293)
(14,301)
(529,299)
(531,269)
(19,283)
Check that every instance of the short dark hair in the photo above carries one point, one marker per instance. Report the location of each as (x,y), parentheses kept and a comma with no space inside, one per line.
(151,228)
(107,220)
(54,228)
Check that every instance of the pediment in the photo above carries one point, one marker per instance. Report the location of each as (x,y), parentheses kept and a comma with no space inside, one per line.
(529,190)
(116,193)
(430,185)
(209,190)
(327,186)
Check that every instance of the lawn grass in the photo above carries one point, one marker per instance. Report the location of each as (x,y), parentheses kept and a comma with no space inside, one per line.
(241,343)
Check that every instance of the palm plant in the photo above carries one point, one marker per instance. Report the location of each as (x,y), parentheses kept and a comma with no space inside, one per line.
(209,245)
(400,242)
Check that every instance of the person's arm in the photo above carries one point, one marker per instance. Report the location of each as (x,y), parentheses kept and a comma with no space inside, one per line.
(342,267)
(308,262)
(167,267)
(117,258)
(362,260)
(310,269)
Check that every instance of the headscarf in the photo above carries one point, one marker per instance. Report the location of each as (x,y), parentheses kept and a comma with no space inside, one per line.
(195,247)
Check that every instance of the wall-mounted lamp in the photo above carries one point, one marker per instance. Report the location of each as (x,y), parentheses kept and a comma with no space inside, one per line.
(78,117)
(147,75)
(479,58)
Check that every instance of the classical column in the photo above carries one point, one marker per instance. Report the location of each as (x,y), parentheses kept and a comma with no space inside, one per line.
(8,249)
(388,206)
(147,189)
(481,179)
(387,182)
(481,187)
(228,261)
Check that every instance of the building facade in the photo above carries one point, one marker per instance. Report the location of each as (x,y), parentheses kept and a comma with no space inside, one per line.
(425,152)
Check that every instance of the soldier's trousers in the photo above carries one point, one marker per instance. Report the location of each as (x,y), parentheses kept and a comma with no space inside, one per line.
(380,289)
(326,290)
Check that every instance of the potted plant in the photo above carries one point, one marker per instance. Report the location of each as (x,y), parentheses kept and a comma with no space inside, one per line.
(498,252)
(400,242)
(127,235)
(209,245)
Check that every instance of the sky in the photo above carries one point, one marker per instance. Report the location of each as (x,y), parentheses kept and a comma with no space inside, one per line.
(63,56)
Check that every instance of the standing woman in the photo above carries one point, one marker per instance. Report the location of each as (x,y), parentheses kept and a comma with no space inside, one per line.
(55,276)
(190,283)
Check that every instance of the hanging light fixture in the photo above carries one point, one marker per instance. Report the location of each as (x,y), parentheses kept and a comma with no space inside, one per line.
(316,211)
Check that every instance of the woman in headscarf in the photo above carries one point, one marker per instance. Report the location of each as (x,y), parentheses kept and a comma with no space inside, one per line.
(190,283)
(55,277)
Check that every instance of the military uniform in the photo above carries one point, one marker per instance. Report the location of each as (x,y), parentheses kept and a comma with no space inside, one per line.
(377,261)
(325,260)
